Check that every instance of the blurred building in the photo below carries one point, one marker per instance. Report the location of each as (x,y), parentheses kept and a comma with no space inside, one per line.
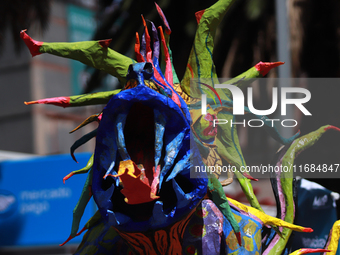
(43,129)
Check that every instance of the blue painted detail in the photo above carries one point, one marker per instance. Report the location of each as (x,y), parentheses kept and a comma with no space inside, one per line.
(176,136)
(159,134)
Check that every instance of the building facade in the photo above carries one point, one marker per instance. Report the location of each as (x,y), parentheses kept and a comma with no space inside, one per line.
(44,129)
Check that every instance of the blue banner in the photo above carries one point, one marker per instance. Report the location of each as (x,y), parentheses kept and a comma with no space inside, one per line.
(35,206)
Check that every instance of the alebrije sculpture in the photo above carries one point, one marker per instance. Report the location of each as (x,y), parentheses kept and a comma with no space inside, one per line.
(140,173)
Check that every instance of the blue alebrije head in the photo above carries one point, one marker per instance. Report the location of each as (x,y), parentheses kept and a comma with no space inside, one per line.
(144,126)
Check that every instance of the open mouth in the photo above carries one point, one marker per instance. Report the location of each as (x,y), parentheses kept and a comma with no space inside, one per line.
(141,176)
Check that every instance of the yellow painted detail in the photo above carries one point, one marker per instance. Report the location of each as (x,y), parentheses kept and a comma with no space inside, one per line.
(231,241)
(250,228)
(335,234)
(266,219)
(248,243)
(127,164)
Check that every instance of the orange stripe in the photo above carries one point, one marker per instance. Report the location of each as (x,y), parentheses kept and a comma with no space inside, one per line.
(191,71)
(139,56)
(147,40)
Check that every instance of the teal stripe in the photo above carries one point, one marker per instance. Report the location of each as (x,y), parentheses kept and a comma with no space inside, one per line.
(212,65)
(211,56)
(198,68)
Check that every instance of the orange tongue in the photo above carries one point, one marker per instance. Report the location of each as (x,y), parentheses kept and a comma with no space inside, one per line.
(136,190)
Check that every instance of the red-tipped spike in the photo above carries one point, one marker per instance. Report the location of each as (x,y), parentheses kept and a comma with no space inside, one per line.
(105,43)
(165,22)
(168,68)
(147,42)
(67,240)
(238,236)
(308,230)
(71,237)
(74,158)
(58,101)
(249,176)
(100,117)
(332,127)
(139,56)
(265,67)
(199,15)
(81,231)
(308,250)
(68,177)
(32,45)
(31,102)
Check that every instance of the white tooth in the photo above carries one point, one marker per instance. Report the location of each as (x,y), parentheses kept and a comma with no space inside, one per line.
(112,218)
(119,128)
(171,152)
(108,156)
(159,133)
(118,218)
(110,171)
(182,165)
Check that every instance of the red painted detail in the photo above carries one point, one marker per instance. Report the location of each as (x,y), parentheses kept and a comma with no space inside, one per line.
(32,45)
(308,230)
(166,24)
(31,102)
(199,15)
(68,177)
(81,231)
(147,41)
(71,237)
(332,127)
(213,90)
(112,175)
(308,250)
(163,84)
(168,68)
(265,67)
(90,191)
(105,43)
(67,240)
(139,56)
(135,190)
(210,130)
(190,249)
(191,71)
(99,118)
(58,101)
(249,177)
(74,158)
(197,230)
(155,181)
(238,236)
(159,77)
